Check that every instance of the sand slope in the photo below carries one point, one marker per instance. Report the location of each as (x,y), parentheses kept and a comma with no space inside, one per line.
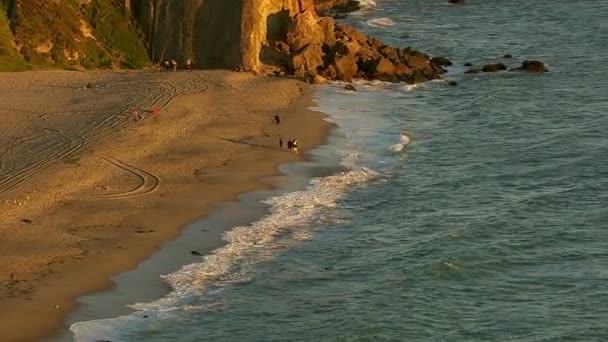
(93,180)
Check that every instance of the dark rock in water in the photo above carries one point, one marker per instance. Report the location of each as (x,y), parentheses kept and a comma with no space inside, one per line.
(453,83)
(532,66)
(468,64)
(472,71)
(405,36)
(350,87)
(195,253)
(507,56)
(145,316)
(493,67)
(442,61)
(456,1)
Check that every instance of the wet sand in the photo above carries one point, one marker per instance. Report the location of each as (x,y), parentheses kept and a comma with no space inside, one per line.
(93,180)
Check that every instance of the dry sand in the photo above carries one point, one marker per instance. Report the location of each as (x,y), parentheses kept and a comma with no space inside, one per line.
(92,180)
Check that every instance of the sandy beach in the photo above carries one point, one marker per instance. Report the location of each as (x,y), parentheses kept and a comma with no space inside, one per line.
(95,178)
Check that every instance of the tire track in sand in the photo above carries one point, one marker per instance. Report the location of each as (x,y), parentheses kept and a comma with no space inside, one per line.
(148,181)
(23,155)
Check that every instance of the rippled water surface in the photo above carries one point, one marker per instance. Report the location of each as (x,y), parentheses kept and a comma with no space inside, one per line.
(492,225)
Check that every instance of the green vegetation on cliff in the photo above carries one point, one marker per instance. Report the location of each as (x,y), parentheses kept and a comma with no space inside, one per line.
(69,33)
(9,57)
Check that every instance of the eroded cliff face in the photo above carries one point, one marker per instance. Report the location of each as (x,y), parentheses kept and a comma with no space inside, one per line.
(207,31)
(214,33)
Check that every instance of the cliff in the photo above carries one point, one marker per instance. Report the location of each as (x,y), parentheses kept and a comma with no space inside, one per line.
(280,36)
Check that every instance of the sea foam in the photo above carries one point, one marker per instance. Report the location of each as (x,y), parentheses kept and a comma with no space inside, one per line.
(290,220)
(381,22)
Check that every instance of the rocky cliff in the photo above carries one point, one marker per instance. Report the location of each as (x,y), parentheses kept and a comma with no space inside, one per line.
(280,36)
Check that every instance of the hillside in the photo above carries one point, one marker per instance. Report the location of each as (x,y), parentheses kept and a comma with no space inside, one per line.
(69,33)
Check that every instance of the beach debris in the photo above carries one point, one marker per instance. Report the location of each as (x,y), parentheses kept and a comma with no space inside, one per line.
(350,87)
(196,253)
(155,111)
(26,220)
(57,306)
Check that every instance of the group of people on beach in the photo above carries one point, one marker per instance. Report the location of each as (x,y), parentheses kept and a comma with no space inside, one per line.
(171,65)
(292,145)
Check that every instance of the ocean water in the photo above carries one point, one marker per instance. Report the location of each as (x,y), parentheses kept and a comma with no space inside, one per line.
(491,225)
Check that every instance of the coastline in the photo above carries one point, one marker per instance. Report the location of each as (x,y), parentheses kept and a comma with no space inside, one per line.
(208,145)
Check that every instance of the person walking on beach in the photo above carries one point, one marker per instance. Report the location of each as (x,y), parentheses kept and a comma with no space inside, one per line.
(189,64)
(174,64)
(277,120)
(294,145)
(167,65)
(289,145)
(281,143)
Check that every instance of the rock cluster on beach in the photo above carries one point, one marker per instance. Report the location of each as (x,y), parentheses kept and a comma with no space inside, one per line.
(318,48)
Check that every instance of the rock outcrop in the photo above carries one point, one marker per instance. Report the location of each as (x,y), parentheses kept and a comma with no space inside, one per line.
(494,67)
(318,46)
(531,66)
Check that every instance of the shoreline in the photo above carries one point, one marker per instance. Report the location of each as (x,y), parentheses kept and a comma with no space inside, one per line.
(144,283)
(133,223)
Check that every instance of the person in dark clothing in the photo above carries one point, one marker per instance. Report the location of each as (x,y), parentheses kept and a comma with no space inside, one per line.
(289,144)
(280,142)
(277,119)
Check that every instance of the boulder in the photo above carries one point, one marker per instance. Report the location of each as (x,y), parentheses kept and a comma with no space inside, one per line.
(416,77)
(307,60)
(453,83)
(384,66)
(318,79)
(304,30)
(392,53)
(493,67)
(468,64)
(345,47)
(532,66)
(402,71)
(346,68)
(507,56)
(441,61)
(343,31)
